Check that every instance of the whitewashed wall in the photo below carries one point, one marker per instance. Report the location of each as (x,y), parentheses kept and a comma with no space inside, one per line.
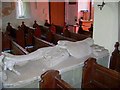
(105,31)
(39,12)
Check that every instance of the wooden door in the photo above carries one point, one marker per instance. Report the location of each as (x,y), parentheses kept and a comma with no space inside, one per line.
(57,13)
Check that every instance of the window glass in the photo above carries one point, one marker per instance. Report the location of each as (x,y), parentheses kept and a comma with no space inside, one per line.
(22,9)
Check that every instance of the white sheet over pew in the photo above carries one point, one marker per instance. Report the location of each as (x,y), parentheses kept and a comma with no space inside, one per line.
(70,67)
(32,70)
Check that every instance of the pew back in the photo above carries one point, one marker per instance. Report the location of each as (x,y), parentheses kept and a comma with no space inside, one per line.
(17,49)
(39,43)
(75,36)
(58,37)
(11,31)
(97,76)
(115,58)
(6,42)
(20,37)
(52,79)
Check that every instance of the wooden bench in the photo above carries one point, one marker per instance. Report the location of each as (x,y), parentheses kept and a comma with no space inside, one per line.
(28,34)
(11,31)
(39,43)
(57,37)
(75,36)
(52,79)
(53,38)
(6,42)
(96,76)
(20,37)
(43,29)
(59,29)
(115,58)
(16,49)
(9,44)
(24,28)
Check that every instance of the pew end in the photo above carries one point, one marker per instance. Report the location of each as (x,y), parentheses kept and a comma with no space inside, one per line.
(97,76)
(52,79)
(115,58)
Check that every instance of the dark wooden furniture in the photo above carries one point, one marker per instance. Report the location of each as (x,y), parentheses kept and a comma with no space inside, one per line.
(20,37)
(16,49)
(9,44)
(115,58)
(6,42)
(75,36)
(99,77)
(43,29)
(24,28)
(28,34)
(59,29)
(11,31)
(47,35)
(57,37)
(39,43)
(52,79)
(29,40)
(35,24)
(37,32)
(53,37)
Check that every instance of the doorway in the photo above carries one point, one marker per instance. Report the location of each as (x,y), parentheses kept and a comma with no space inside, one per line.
(57,13)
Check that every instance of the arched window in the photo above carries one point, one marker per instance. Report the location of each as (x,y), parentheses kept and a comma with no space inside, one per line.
(22,9)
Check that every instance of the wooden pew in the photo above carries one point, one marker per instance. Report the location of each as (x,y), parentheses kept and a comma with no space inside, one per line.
(99,77)
(75,36)
(29,40)
(17,49)
(57,37)
(28,34)
(52,79)
(6,42)
(39,43)
(17,35)
(11,31)
(115,58)
(35,24)
(20,37)
(24,28)
(24,36)
(44,29)
(59,29)
(50,37)
(12,46)
(53,38)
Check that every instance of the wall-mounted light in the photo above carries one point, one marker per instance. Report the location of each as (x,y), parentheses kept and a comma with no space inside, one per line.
(101,5)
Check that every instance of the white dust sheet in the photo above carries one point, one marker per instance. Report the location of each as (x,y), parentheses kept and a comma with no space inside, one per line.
(33,70)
